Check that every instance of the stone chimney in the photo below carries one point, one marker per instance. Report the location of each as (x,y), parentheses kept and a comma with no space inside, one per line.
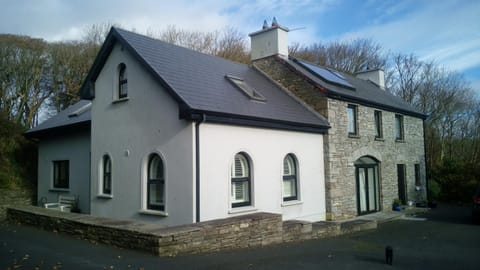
(269,41)
(376,76)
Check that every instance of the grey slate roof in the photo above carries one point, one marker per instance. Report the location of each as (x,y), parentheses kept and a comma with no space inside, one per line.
(365,92)
(76,115)
(197,81)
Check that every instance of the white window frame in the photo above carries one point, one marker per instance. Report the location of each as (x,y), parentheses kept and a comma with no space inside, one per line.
(290,177)
(144,187)
(244,179)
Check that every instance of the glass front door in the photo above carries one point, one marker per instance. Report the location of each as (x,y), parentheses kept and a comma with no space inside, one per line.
(367,186)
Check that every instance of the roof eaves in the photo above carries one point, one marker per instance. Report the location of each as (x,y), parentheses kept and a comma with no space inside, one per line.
(58,130)
(242,120)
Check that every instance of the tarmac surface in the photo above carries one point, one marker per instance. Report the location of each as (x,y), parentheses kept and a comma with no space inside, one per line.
(442,238)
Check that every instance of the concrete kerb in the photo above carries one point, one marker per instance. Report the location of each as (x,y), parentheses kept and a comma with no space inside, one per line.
(258,229)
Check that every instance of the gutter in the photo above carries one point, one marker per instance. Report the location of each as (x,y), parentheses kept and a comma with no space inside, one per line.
(197,167)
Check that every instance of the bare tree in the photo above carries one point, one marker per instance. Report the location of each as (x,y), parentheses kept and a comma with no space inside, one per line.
(24,78)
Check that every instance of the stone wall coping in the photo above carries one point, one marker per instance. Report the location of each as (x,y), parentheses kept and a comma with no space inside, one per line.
(256,229)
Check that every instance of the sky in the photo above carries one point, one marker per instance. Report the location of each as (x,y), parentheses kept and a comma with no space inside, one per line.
(446,31)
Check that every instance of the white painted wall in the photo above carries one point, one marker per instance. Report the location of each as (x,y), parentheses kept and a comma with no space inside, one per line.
(267,149)
(131,130)
(76,149)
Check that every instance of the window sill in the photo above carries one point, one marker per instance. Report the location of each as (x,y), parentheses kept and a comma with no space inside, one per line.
(380,139)
(120,100)
(354,136)
(290,203)
(105,196)
(400,140)
(59,190)
(244,209)
(153,213)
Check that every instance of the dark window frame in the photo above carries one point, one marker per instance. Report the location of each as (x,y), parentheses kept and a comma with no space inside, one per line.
(155,181)
(292,177)
(122,81)
(107,175)
(377,115)
(247,180)
(400,133)
(418,180)
(58,181)
(354,109)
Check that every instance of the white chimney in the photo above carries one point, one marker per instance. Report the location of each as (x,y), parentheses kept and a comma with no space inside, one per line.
(269,41)
(377,76)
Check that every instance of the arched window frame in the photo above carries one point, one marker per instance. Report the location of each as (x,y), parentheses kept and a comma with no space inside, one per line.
(241,181)
(122,81)
(155,199)
(106,175)
(290,178)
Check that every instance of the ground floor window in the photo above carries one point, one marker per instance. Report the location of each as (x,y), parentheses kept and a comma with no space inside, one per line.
(290,176)
(107,175)
(61,174)
(155,183)
(240,181)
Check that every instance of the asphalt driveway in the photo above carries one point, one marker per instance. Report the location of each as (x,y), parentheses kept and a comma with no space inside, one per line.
(443,238)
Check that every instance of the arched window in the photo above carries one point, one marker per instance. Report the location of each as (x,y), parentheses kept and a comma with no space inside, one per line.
(290,178)
(155,183)
(122,81)
(107,175)
(241,181)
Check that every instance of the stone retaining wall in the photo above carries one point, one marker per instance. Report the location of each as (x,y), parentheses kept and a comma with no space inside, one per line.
(13,198)
(253,230)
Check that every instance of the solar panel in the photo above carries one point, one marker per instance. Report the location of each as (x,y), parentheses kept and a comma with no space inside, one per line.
(330,76)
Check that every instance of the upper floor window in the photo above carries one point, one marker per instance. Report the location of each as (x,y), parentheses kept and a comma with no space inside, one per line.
(399,131)
(155,183)
(240,181)
(122,81)
(378,124)
(352,120)
(289,178)
(61,174)
(107,175)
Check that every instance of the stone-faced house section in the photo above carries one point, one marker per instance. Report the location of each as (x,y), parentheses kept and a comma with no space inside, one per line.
(374,150)
(179,137)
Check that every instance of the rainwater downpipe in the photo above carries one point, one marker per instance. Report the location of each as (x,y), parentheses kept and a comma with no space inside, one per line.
(197,167)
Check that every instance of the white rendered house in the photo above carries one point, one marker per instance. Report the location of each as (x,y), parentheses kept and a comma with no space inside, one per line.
(178,137)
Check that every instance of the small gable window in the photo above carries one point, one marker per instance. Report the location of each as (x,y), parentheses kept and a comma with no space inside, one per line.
(245,88)
(241,181)
(107,175)
(122,81)
(156,183)
(289,178)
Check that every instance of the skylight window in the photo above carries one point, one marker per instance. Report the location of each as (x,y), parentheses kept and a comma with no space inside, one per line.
(246,89)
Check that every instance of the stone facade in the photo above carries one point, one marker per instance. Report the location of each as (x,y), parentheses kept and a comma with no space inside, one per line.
(341,150)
